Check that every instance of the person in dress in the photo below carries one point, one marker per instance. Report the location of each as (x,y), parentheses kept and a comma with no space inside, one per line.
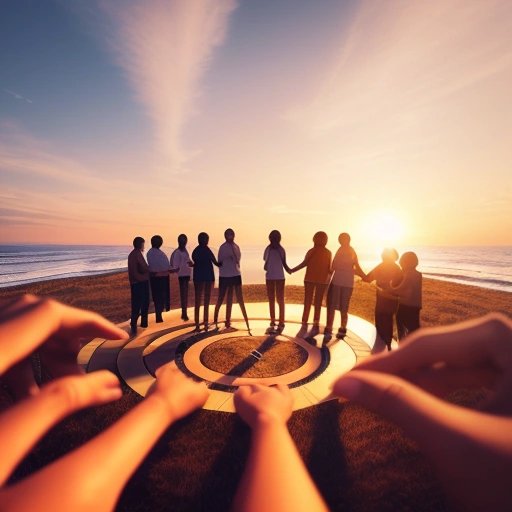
(181,263)
(138,275)
(204,277)
(230,278)
(345,266)
(318,270)
(158,275)
(275,265)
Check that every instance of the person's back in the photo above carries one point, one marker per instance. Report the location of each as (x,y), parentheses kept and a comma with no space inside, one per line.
(229,256)
(411,289)
(137,267)
(318,265)
(343,266)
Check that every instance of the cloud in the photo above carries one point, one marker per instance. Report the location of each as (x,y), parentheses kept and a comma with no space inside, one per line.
(18,96)
(398,60)
(165,46)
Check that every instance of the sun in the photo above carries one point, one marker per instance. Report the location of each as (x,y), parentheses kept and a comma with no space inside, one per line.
(383,228)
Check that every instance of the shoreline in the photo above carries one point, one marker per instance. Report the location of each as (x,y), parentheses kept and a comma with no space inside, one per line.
(108,293)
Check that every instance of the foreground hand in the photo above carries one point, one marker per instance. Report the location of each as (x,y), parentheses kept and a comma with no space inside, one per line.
(57,331)
(257,404)
(471,450)
(181,394)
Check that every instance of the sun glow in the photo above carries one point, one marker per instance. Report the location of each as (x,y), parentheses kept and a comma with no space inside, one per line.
(383,229)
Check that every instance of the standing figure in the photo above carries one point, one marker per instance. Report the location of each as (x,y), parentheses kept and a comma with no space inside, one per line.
(180,262)
(275,265)
(318,270)
(158,275)
(203,261)
(138,274)
(409,296)
(386,274)
(230,278)
(345,266)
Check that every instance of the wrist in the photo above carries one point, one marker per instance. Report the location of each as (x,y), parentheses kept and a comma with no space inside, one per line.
(161,406)
(265,420)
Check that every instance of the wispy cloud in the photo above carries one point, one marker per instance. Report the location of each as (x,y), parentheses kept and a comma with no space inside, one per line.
(19,97)
(398,59)
(165,46)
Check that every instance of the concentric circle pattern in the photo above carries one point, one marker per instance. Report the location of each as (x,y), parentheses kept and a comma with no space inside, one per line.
(228,358)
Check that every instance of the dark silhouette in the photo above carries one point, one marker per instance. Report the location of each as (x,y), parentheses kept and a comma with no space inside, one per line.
(318,268)
(180,262)
(158,275)
(409,296)
(230,278)
(345,266)
(275,264)
(138,274)
(386,275)
(203,261)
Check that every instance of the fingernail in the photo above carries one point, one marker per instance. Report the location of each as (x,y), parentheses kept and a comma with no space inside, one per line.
(348,388)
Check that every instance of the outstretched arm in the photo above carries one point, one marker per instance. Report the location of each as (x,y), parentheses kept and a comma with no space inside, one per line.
(275,477)
(93,476)
(465,446)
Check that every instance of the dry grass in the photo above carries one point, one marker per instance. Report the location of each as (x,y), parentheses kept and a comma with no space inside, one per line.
(359,461)
(229,356)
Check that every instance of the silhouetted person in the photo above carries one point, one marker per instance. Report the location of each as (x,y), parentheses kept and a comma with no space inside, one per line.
(203,259)
(158,275)
(230,278)
(275,265)
(138,274)
(386,274)
(345,266)
(318,268)
(409,296)
(181,263)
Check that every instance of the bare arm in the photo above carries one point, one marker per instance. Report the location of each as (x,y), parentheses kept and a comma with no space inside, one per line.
(93,476)
(275,477)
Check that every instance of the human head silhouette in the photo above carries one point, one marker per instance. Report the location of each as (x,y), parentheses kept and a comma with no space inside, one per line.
(389,255)
(320,239)
(203,238)
(229,235)
(409,261)
(274,237)
(182,240)
(138,243)
(344,239)
(156,241)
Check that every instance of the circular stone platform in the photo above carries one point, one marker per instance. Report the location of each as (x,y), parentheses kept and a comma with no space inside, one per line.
(228,358)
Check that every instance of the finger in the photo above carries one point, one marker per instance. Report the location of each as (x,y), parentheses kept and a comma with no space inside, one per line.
(283,389)
(241,395)
(467,344)
(25,423)
(38,321)
(433,423)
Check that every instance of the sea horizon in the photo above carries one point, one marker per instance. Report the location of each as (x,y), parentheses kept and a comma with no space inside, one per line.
(485,266)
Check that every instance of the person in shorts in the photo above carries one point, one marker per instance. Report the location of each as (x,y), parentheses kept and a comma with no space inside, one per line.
(345,266)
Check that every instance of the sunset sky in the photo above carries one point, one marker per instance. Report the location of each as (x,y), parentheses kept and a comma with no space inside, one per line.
(391,120)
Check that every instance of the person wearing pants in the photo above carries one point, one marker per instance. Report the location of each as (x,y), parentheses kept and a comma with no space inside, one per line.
(138,274)
(181,263)
(159,275)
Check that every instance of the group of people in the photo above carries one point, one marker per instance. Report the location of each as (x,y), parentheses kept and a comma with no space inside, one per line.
(399,287)
(470,450)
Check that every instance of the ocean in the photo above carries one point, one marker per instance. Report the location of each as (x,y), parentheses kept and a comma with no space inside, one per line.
(486,267)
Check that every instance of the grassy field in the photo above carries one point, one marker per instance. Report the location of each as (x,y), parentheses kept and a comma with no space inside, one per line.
(359,461)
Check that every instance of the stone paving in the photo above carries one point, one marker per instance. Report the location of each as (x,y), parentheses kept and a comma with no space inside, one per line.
(136,361)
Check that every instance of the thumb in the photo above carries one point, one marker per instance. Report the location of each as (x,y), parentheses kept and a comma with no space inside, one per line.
(431,422)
